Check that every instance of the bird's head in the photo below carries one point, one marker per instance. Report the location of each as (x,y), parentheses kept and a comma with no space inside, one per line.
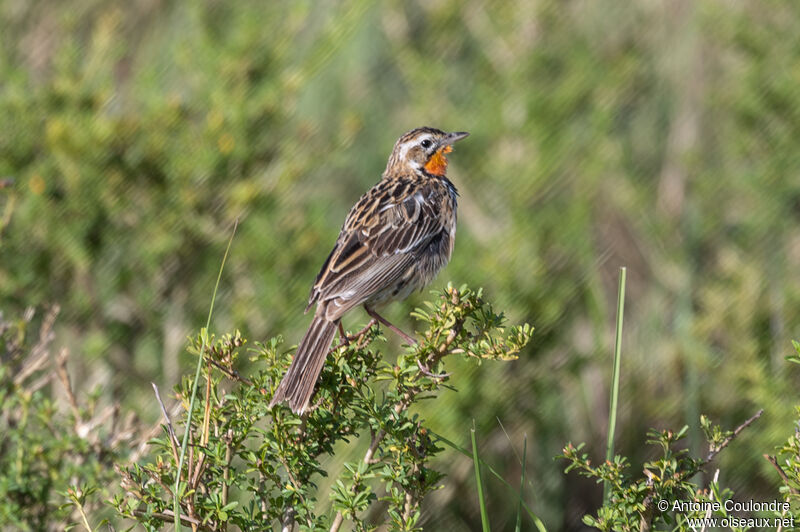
(424,148)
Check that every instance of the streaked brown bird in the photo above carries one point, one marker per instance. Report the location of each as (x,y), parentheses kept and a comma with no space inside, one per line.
(394,241)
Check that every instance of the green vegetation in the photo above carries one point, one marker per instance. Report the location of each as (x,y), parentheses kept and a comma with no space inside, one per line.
(248,465)
(659,136)
(57,448)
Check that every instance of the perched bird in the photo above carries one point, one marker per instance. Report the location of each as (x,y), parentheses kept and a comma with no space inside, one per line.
(394,241)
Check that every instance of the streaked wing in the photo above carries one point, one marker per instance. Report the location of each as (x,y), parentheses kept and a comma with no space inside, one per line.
(378,241)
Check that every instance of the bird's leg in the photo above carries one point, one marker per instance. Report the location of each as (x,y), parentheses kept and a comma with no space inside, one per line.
(345,340)
(409,339)
(342,335)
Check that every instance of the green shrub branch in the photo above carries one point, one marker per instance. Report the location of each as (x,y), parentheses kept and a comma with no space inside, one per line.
(249,466)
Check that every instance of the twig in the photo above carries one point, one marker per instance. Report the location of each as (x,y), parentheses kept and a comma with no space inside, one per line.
(373,446)
(786,480)
(287,521)
(199,469)
(649,502)
(79,507)
(232,373)
(157,478)
(429,373)
(337,522)
(63,375)
(207,413)
(709,510)
(357,336)
(402,405)
(296,486)
(646,520)
(143,441)
(226,472)
(169,515)
(715,451)
(173,439)
(38,356)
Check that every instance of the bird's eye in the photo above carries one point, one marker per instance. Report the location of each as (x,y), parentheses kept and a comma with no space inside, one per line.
(426,143)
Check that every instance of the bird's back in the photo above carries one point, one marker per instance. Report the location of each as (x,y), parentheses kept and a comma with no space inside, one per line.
(394,240)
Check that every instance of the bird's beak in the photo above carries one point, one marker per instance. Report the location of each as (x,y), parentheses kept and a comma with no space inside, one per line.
(453,137)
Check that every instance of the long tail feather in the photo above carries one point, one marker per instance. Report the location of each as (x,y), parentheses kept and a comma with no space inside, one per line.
(298,384)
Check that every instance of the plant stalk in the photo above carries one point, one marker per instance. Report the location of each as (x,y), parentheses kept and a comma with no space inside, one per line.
(612,410)
(176,506)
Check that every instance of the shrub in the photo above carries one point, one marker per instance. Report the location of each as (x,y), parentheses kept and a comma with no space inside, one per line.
(250,466)
(57,446)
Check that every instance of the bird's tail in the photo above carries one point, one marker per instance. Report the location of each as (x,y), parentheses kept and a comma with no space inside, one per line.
(298,384)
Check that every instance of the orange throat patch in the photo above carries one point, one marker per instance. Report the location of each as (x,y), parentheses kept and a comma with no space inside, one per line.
(437,165)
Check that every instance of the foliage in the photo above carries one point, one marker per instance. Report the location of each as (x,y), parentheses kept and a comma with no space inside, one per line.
(249,465)
(672,477)
(55,462)
(789,466)
(789,469)
(635,503)
(662,136)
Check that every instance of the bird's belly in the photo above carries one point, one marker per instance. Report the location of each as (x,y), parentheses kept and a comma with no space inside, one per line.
(421,273)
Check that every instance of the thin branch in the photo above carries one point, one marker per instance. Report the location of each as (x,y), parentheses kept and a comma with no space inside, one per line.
(358,336)
(157,478)
(295,484)
(714,452)
(39,355)
(226,472)
(169,515)
(444,350)
(337,522)
(429,373)
(233,374)
(80,509)
(650,503)
(198,470)
(287,521)
(173,439)
(144,439)
(786,480)
(63,375)
(207,413)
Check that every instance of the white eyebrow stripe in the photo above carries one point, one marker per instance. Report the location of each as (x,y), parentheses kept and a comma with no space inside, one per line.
(404,149)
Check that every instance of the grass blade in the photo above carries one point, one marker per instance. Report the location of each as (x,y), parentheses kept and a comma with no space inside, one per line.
(176,505)
(518,528)
(612,410)
(477,462)
(536,521)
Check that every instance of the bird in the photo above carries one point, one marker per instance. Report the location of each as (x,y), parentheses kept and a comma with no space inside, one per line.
(394,240)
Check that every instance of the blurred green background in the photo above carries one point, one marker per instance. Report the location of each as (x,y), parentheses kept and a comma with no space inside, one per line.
(663,136)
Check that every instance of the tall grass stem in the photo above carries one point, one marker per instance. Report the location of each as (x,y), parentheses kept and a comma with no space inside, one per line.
(518,527)
(612,409)
(536,521)
(176,505)
(479,482)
